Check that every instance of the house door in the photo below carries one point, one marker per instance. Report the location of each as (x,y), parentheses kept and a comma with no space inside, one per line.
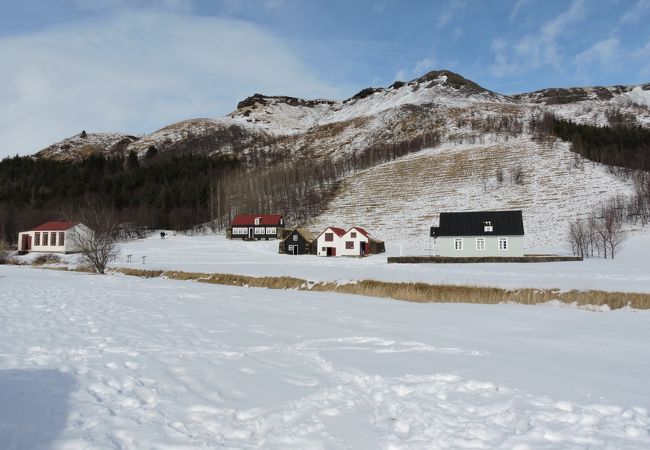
(331,251)
(294,250)
(250,233)
(27,243)
(363,248)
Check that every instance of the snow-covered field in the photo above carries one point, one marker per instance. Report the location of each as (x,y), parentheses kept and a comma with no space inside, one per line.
(91,361)
(215,254)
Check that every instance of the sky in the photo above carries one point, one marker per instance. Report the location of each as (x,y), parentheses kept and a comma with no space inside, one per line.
(137,65)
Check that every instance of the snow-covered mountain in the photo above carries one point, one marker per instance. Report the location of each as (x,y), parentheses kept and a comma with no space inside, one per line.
(458,135)
(440,100)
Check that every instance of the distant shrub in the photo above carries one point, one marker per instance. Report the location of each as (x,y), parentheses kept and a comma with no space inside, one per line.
(4,252)
(46,259)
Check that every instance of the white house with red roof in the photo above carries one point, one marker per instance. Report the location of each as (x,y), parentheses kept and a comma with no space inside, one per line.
(328,243)
(52,237)
(356,242)
(256,227)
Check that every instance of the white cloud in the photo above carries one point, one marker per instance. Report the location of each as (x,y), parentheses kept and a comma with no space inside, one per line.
(448,12)
(136,72)
(642,56)
(400,75)
(519,5)
(380,6)
(172,5)
(538,49)
(636,12)
(419,68)
(603,54)
(423,66)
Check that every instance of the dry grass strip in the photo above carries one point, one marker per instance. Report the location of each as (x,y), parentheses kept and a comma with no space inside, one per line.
(413,292)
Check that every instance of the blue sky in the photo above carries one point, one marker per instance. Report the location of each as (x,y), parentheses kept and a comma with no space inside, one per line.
(137,65)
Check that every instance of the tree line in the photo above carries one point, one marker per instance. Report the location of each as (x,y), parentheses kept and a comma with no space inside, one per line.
(622,143)
(167,190)
(158,191)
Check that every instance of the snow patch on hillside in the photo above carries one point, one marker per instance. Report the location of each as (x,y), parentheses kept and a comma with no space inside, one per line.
(400,200)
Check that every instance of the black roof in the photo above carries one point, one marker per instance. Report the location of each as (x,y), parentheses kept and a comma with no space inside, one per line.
(504,223)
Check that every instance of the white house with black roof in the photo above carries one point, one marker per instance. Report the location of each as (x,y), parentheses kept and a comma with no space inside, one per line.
(479,233)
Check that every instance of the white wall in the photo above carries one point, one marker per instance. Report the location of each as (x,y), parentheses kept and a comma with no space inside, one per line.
(356,250)
(69,245)
(445,246)
(321,242)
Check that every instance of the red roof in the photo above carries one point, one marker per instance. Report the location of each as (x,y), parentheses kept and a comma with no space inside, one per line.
(338,231)
(249,219)
(360,230)
(55,226)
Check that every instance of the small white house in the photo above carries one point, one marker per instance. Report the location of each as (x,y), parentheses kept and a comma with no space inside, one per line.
(329,242)
(480,234)
(52,237)
(355,242)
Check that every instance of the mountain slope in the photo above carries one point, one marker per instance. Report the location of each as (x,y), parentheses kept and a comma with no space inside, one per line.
(455,134)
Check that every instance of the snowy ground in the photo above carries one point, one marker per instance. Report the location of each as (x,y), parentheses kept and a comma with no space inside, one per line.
(91,361)
(215,254)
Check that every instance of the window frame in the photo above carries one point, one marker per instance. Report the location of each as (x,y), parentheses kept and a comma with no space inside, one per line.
(458,248)
(349,245)
(481,240)
(37,239)
(61,238)
(502,240)
(329,237)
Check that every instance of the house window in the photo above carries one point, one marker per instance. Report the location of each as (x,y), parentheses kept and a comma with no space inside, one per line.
(295,238)
(329,237)
(349,245)
(503,243)
(458,243)
(53,238)
(257,221)
(480,243)
(259,230)
(45,235)
(353,234)
(62,238)
(37,238)
(270,230)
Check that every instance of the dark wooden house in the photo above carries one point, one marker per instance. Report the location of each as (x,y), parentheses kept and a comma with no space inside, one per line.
(256,227)
(299,242)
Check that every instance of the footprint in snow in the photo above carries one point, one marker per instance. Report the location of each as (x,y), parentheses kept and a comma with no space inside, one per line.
(301,382)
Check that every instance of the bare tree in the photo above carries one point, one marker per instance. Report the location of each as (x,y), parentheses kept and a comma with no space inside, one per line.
(500,176)
(578,238)
(518,175)
(612,227)
(96,238)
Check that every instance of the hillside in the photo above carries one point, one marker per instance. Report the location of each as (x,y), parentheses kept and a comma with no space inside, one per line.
(402,154)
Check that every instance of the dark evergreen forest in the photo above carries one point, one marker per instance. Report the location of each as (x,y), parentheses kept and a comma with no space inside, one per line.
(618,144)
(171,192)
